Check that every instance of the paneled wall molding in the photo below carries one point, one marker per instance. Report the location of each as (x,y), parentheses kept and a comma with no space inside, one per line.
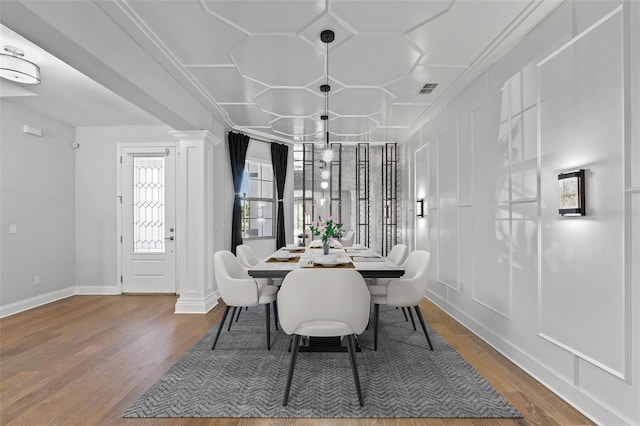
(448,237)
(600,411)
(556,295)
(600,49)
(583,357)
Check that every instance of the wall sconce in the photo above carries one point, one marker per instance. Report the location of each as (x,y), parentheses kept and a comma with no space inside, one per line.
(420,207)
(571,193)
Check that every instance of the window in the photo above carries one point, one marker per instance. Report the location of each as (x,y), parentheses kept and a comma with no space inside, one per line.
(257,200)
(148,204)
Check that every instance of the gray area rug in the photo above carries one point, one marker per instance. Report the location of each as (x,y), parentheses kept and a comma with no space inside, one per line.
(242,379)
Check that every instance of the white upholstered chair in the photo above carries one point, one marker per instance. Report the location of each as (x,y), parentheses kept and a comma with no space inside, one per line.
(347,239)
(238,289)
(323,303)
(404,292)
(248,260)
(247,256)
(398,254)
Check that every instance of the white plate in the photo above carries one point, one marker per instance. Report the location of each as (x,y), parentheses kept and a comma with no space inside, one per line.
(283,256)
(326,263)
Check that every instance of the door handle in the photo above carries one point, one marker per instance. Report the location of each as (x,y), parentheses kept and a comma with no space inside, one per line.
(170,238)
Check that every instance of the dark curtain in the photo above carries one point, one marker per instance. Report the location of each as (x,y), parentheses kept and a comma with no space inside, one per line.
(238,144)
(279,157)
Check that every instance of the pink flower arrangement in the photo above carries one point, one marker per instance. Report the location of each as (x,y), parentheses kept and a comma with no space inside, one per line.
(327,226)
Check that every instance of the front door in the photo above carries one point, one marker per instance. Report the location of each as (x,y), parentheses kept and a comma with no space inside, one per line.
(148,225)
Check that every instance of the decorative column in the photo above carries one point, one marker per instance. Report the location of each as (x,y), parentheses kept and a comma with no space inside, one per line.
(195,227)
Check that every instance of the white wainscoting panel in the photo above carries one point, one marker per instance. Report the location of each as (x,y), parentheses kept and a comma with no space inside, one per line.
(490,209)
(421,172)
(448,207)
(465,160)
(634,93)
(433,175)
(581,126)
(524,146)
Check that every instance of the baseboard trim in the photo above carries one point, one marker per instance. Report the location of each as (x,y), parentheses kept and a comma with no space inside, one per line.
(34,302)
(97,290)
(196,305)
(593,408)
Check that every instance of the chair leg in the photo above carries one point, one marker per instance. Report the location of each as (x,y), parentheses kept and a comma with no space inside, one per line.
(238,316)
(220,326)
(376,309)
(404,312)
(233,314)
(275,314)
(424,327)
(351,347)
(268,322)
(292,366)
(412,321)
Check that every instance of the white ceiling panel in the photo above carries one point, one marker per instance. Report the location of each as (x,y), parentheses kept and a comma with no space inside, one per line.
(257,17)
(192,34)
(359,101)
(279,61)
(290,102)
(352,126)
(225,84)
(248,115)
(460,35)
(399,115)
(386,134)
(326,22)
(297,126)
(357,62)
(407,89)
(388,16)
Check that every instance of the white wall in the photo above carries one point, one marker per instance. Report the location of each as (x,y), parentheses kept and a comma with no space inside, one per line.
(96,202)
(37,195)
(556,295)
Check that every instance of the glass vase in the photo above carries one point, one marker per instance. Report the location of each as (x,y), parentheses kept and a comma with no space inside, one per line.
(325,247)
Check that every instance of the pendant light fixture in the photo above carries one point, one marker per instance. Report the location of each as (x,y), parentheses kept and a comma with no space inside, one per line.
(327,36)
(13,67)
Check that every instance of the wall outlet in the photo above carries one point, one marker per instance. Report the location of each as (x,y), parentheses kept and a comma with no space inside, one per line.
(36,280)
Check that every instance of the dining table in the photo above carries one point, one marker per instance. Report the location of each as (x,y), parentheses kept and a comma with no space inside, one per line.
(368,263)
(364,260)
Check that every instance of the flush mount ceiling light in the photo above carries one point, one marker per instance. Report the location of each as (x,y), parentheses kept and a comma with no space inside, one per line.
(326,36)
(13,67)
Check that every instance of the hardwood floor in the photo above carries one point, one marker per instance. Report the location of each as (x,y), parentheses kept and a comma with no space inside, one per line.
(85,359)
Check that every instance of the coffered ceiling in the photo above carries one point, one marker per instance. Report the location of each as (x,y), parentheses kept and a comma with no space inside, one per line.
(257,65)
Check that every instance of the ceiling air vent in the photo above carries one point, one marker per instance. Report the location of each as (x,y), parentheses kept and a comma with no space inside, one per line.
(428,88)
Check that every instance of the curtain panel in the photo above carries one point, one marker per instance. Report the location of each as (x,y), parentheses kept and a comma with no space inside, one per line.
(238,144)
(279,158)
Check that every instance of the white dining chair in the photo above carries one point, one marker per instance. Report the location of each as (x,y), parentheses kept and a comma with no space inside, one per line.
(404,292)
(398,254)
(248,260)
(247,256)
(347,239)
(323,303)
(238,290)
